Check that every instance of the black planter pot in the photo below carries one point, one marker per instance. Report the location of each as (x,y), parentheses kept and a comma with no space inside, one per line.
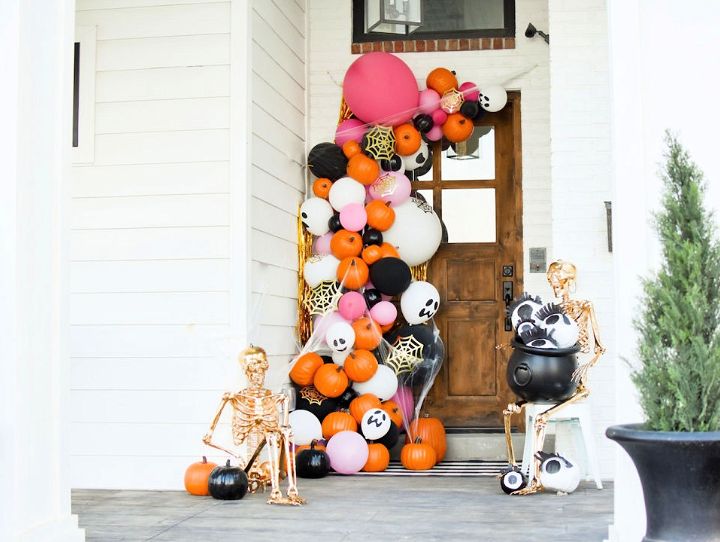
(680,476)
(537,374)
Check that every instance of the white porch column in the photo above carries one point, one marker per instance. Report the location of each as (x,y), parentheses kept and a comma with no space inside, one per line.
(36,39)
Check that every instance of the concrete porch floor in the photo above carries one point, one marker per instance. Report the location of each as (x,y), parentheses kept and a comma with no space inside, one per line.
(352,509)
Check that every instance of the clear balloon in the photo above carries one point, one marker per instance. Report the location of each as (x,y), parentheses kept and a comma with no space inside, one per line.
(416,232)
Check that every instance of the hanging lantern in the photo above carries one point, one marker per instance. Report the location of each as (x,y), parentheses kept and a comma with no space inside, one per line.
(470,148)
(393,16)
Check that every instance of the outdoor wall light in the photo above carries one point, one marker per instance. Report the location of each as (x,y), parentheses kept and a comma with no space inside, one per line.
(530,32)
(393,16)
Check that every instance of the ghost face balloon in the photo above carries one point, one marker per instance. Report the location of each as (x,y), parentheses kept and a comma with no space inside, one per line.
(315,213)
(375,424)
(493,98)
(340,337)
(419,302)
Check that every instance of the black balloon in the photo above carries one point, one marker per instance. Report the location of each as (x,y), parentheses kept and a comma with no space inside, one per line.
(327,359)
(312,463)
(372,237)
(334,223)
(391,437)
(327,160)
(308,398)
(393,164)
(480,114)
(423,123)
(372,297)
(228,483)
(444,144)
(346,397)
(470,109)
(391,276)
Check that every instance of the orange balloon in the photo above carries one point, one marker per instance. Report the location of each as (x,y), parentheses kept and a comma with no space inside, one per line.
(363,169)
(353,273)
(345,244)
(407,139)
(371,254)
(351,148)
(389,251)
(321,187)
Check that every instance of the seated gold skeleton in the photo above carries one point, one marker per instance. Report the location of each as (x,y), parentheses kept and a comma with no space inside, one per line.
(261,417)
(561,276)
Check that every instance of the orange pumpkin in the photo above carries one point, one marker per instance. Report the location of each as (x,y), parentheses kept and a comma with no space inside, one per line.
(418,456)
(371,254)
(361,404)
(353,273)
(389,251)
(378,458)
(380,215)
(351,148)
(330,380)
(387,327)
(321,187)
(367,334)
(336,422)
(363,169)
(407,139)
(360,365)
(196,477)
(346,244)
(394,411)
(303,371)
(441,80)
(312,446)
(457,128)
(432,432)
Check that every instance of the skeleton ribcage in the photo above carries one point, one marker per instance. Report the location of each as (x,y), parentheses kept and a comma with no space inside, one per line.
(579,311)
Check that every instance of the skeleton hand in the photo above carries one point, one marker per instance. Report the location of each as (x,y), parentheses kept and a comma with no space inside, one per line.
(207,438)
(541,422)
(512,408)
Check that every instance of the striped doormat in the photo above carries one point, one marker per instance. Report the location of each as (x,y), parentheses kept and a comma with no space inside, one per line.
(445,468)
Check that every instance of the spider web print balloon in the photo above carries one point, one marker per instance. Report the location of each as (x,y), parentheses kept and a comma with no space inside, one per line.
(380,143)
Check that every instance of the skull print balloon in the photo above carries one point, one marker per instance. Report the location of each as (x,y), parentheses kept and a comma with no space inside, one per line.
(419,302)
(493,98)
(375,424)
(340,337)
(315,213)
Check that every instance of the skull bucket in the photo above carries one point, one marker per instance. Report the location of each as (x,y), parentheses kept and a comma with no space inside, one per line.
(538,374)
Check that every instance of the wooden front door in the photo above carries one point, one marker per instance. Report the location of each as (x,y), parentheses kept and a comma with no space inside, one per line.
(480,202)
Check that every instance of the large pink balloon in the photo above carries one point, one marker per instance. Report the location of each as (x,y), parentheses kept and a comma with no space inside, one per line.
(404,399)
(352,306)
(348,452)
(349,130)
(380,88)
(391,186)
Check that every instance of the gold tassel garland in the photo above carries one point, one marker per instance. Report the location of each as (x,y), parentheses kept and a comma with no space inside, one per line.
(305,324)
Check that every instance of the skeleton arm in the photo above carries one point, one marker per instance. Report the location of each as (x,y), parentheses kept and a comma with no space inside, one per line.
(207,439)
(284,404)
(580,373)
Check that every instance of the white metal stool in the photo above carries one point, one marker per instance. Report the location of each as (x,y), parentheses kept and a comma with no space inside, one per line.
(573,423)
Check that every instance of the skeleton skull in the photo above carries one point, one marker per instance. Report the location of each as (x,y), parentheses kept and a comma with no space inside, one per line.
(340,337)
(419,302)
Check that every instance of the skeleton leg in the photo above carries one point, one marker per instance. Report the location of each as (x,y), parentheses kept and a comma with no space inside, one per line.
(273,445)
(292,491)
(512,408)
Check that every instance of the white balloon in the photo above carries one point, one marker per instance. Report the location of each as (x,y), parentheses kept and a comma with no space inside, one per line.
(315,214)
(305,427)
(557,473)
(344,191)
(340,337)
(383,383)
(418,158)
(416,232)
(419,302)
(375,424)
(320,268)
(492,98)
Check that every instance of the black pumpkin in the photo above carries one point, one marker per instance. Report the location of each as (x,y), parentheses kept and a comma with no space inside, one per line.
(312,463)
(308,398)
(228,483)
(372,237)
(390,438)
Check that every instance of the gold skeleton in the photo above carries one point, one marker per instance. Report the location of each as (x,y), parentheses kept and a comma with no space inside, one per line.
(256,417)
(561,276)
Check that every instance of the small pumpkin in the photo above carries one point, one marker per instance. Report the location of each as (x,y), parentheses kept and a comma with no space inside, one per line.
(407,139)
(353,273)
(371,254)
(363,169)
(196,477)
(394,411)
(457,128)
(314,445)
(346,244)
(361,404)
(321,187)
(336,422)
(360,365)
(389,251)
(312,462)
(228,483)
(380,215)
(441,80)
(330,380)
(351,148)
(368,334)
(303,370)
(387,327)
(418,456)
(378,458)
(432,432)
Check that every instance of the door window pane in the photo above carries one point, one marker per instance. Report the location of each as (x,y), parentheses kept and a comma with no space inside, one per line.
(471,160)
(469,215)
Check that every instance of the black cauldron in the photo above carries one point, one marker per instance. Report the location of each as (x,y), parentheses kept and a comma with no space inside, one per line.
(537,374)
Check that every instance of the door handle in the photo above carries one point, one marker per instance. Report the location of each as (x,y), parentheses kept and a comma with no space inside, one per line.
(508,298)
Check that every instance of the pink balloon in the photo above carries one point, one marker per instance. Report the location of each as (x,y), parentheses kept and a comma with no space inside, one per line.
(348,452)
(379,88)
(353,216)
(404,399)
(470,91)
(322,244)
(349,130)
(383,313)
(352,305)
(439,117)
(391,186)
(435,133)
(429,101)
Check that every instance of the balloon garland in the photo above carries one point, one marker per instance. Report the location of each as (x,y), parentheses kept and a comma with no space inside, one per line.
(364,241)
